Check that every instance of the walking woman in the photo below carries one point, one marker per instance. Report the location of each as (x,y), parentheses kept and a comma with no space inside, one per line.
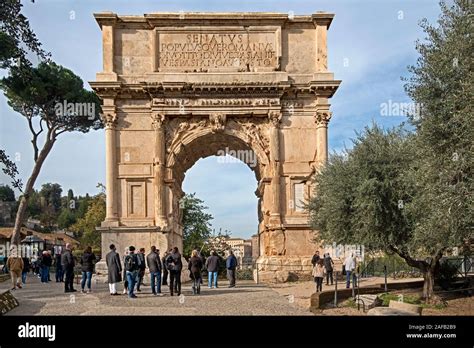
(318,274)
(195,267)
(87,261)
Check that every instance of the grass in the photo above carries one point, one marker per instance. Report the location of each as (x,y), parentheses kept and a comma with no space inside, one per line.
(387,297)
(349,303)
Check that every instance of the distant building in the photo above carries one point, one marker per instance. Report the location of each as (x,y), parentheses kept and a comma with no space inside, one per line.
(6,211)
(242,249)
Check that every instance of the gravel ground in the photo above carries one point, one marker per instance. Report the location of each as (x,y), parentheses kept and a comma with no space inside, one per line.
(247,298)
(299,293)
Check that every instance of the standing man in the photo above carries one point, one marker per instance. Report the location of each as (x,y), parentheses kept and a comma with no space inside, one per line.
(212,266)
(131,269)
(141,267)
(231,265)
(68,262)
(15,267)
(114,269)
(315,258)
(350,266)
(328,265)
(59,269)
(26,269)
(46,262)
(154,266)
(165,269)
(175,265)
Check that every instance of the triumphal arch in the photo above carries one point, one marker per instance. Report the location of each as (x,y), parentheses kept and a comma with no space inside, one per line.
(177,87)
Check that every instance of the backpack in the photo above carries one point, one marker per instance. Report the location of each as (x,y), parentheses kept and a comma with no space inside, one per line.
(169,263)
(130,263)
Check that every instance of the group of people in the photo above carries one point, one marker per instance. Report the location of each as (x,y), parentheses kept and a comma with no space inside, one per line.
(65,262)
(325,266)
(162,269)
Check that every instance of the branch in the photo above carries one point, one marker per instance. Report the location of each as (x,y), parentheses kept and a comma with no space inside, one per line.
(421,265)
(34,141)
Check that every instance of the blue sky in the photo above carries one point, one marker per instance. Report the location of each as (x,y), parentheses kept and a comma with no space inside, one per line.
(370,44)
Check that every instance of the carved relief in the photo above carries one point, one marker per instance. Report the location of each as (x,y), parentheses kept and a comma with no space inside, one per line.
(217,122)
(274,117)
(157,120)
(254,131)
(178,127)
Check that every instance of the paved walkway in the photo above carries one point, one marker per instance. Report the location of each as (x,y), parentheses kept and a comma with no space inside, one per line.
(247,298)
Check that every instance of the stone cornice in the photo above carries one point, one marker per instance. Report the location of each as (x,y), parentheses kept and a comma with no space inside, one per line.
(152,20)
(113,89)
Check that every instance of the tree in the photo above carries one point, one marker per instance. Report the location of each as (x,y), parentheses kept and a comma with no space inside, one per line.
(362,193)
(16,36)
(6,193)
(196,223)
(442,82)
(66,218)
(85,227)
(37,99)
(10,169)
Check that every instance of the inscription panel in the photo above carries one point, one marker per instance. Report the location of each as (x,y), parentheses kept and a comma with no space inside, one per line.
(229,49)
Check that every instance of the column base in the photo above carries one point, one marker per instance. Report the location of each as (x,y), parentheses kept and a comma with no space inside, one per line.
(281,269)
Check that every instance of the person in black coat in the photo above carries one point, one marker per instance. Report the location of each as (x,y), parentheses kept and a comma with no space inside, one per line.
(26,269)
(315,259)
(46,262)
(328,265)
(175,265)
(165,270)
(212,266)
(59,269)
(114,268)
(87,262)
(154,266)
(141,268)
(68,262)
(195,268)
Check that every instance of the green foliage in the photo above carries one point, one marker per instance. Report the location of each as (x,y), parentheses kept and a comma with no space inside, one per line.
(16,36)
(85,227)
(244,274)
(361,193)
(387,297)
(446,274)
(442,81)
(196,223)
(66,218)
(6,193)
(10,169)
(47,86)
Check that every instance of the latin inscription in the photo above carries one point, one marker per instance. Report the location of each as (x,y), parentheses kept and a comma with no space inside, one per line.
(214,51)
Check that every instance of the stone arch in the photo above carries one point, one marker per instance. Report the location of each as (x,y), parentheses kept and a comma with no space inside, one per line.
(200,142)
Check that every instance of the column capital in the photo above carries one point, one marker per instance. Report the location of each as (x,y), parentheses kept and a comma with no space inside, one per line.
(275,117)
(109,118)
(322,117)
(157,120)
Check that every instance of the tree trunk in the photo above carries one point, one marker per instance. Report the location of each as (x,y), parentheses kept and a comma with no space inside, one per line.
(428,277)
(20,214)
